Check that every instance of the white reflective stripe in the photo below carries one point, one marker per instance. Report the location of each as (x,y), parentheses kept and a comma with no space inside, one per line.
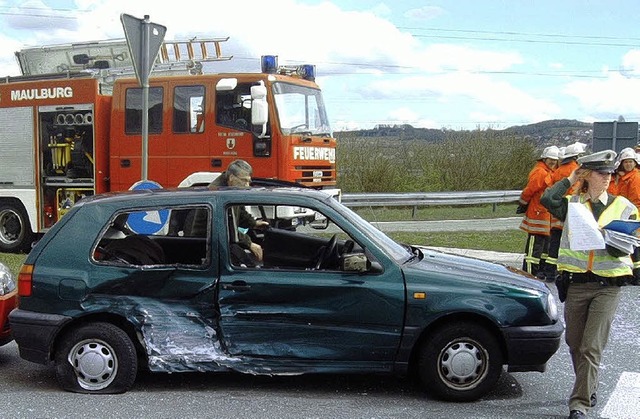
(535,221)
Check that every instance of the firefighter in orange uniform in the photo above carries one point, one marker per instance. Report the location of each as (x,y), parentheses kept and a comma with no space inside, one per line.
(537,220)
(566,166)
(626,181)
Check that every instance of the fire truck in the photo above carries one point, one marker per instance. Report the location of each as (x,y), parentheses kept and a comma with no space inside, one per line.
(71,125)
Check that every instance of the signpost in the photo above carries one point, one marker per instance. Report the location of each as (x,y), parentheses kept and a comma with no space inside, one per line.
(144,39)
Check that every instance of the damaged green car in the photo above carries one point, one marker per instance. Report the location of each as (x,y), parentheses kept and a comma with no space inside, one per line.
(184,280)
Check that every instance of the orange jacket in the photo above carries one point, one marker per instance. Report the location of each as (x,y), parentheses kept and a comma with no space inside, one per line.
(627,185)
(537,219)
(563,171)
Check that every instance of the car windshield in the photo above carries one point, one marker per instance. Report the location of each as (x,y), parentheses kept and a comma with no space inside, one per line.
(398,252)
(300,110)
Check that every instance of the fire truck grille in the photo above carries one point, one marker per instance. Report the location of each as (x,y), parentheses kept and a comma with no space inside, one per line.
(316,176)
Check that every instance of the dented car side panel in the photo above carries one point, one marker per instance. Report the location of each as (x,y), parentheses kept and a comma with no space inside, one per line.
(215,316)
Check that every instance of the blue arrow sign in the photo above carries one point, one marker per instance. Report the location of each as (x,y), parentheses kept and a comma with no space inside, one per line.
(147,222)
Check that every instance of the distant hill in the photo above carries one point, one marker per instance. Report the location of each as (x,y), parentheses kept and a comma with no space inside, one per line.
(558,132)
(555,132)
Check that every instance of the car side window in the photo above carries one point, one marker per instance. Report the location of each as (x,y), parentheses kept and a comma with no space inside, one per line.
(165,236)
(293,238)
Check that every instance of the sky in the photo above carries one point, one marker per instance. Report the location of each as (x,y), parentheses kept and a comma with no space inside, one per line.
(468,64)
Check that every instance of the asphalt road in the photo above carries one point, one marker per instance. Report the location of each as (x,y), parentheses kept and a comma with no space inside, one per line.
(30,390)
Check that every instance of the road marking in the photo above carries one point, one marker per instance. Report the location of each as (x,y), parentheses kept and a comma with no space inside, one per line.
(624,403)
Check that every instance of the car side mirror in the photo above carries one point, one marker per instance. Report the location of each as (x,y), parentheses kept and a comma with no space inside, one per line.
(355,262)
(319,224)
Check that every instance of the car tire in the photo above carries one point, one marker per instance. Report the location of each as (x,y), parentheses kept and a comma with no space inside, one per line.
(15,229)
(461,362)
(96,358)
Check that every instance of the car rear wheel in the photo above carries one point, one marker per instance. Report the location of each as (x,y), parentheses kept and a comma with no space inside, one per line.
(460,362)
(96,358)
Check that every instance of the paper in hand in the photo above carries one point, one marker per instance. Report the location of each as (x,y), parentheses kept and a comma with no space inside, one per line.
(584,232)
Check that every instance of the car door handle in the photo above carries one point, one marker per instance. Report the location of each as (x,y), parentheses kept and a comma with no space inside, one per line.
(236,286)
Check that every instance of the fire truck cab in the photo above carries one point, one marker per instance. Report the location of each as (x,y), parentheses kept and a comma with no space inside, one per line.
(71,126)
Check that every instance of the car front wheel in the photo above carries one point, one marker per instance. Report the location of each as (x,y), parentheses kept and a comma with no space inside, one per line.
(96,358)
(460,362)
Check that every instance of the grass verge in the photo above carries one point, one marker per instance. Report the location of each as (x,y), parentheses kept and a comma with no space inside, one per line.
(13,261)
(510,241)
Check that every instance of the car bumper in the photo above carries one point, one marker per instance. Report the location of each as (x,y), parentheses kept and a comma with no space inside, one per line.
(7,303)
(530,347)
(35,332)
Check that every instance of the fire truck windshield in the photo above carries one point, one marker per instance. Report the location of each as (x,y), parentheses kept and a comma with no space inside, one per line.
(300,110)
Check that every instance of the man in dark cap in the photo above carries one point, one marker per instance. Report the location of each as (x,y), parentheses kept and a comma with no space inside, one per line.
(590,279)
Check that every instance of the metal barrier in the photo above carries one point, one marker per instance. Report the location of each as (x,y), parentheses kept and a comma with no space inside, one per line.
(429,198)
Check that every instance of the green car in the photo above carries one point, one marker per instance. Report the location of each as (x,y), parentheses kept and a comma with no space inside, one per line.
(267,281)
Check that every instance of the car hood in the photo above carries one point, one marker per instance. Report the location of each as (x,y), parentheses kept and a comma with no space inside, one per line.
(467,268)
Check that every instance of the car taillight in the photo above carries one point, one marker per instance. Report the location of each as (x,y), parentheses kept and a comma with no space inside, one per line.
(25,280)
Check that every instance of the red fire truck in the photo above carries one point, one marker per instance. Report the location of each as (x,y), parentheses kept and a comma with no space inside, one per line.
(70,126)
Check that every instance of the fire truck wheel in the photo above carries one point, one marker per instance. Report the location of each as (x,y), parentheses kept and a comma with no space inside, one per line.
(15,230)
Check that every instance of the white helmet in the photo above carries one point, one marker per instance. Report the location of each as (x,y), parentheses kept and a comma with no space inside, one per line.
(627,153)
(551,152)
(574,149)
(561,152)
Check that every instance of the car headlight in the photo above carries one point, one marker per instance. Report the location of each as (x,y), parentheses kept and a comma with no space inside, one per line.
(552,307)
(7,284)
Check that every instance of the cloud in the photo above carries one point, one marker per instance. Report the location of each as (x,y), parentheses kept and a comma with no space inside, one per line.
(613,93)
(616,94)
(404,115)
(381,10)
(424,13)
(631,63)
(447,57)
(477,90)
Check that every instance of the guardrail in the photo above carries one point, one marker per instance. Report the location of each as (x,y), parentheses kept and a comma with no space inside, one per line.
(429,198)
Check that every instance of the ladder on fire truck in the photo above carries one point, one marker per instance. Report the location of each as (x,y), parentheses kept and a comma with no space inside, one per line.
(110,59)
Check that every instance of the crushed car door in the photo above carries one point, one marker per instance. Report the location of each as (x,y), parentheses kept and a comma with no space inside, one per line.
(310,314)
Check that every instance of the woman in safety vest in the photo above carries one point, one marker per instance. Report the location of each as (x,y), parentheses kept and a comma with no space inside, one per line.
(568,163)
(590,280)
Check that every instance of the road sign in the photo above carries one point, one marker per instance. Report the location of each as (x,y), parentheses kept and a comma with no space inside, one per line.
(144,39)
(147,222)
(614,135)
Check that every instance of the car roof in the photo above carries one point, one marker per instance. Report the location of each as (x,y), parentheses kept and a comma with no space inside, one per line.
(195,193)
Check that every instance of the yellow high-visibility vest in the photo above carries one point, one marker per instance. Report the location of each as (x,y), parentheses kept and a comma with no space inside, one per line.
(598,261)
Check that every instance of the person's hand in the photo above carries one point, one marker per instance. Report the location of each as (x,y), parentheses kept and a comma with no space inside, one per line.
(522,209)
(261,224)
(576,175)
(256,249)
